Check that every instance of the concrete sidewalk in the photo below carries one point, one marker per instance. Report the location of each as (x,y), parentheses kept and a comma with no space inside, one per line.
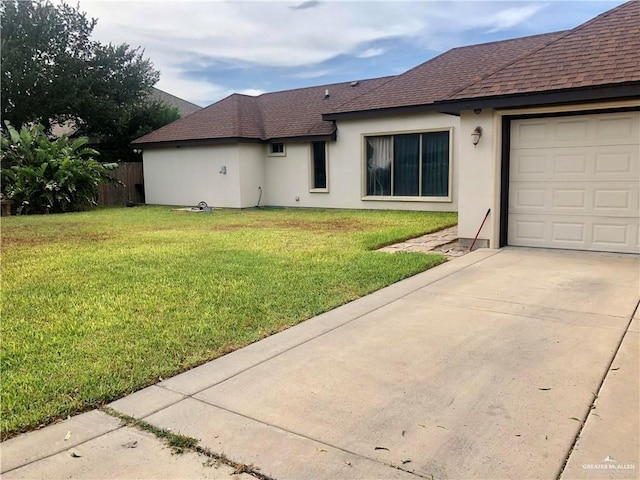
(484,367)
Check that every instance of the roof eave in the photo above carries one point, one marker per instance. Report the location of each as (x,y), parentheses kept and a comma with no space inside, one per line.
(325,137)
(378,112)
(590,94)
(231,140)
(193,142)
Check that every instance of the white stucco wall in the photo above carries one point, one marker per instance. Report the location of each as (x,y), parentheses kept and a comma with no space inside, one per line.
(188,175)
(478,186)
(252,173)
(289,177)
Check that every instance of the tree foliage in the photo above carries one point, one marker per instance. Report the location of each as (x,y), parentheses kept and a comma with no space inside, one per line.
(53,72)
(50,176)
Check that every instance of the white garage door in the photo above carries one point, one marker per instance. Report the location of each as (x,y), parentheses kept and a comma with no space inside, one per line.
(575,182)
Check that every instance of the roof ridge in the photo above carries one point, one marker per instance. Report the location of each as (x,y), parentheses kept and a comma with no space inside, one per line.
(546,34)
(407,72)
(562,34)
(259,113)
(390,77)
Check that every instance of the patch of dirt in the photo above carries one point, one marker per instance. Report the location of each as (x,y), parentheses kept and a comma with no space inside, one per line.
(335,225)
(9,239)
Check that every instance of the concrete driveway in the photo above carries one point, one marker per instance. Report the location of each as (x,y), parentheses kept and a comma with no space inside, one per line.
(512,363)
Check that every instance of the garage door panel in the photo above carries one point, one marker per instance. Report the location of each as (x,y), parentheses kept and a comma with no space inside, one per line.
(575,182)
(586,198)
(621,162)
(617,128)
(578,233)
(585,130)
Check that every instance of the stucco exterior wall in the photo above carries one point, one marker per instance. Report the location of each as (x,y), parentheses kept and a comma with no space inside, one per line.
(188,175)
(252,173)
(478,187)
(288,178)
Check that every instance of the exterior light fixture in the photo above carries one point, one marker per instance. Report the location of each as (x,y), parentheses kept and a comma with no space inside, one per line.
(475,135)
(137,150)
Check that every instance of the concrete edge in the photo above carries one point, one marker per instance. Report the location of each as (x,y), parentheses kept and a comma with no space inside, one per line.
(146,402)
(39,444)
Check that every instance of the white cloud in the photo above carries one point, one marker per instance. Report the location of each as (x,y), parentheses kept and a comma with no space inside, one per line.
(264,33)
(313,73)
(254,92)
(200,92)
(371,52)
(510,17)
(181,35)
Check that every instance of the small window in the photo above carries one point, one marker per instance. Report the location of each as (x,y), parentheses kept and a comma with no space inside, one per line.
(277,149)
(319,166)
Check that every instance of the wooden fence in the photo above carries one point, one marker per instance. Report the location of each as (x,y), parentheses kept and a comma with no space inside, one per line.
(132,190)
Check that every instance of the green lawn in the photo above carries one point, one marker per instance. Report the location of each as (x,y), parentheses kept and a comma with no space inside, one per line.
(96,305)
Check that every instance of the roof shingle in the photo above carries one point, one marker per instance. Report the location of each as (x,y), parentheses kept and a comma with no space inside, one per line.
(285,114)
(437,78)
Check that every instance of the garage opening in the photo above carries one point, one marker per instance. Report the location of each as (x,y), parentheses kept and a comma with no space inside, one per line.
(574,182)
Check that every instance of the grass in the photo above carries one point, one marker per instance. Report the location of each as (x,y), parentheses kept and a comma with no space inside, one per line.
(96,305)
(180,444)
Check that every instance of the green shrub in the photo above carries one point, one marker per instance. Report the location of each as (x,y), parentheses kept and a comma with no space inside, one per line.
(50,176)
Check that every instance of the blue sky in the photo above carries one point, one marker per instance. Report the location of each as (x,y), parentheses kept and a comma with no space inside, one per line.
(206,50)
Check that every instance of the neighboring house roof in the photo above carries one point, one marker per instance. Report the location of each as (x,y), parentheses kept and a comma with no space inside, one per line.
(271,116)
(184,108)
(596,60)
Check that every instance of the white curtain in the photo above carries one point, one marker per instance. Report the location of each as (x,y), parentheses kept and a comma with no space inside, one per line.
(379,158)
(381,152)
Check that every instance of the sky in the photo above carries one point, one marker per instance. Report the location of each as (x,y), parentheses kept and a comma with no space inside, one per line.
(206,50)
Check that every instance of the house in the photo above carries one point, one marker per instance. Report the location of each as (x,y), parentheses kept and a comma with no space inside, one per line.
(543,131)
(184,107)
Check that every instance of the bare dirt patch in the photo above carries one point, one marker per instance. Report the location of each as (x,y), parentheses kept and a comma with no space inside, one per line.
(335,225)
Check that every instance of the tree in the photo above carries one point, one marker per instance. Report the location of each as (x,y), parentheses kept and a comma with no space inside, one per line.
(53,72)
(50,176)
(142,119)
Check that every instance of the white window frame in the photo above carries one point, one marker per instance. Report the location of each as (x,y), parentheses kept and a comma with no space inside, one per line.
(312,189)
(392,198)
(271,153)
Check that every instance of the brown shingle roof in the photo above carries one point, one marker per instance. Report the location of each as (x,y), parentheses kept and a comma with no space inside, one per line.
(601,51)
(438,77)
(278,115)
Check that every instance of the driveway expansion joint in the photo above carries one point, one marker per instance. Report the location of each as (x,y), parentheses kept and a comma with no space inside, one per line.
(306,437)
(58,452)
(166,436)
(596,394)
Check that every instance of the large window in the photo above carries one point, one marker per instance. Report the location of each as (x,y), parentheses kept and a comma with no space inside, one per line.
(408,165)
(319,166)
